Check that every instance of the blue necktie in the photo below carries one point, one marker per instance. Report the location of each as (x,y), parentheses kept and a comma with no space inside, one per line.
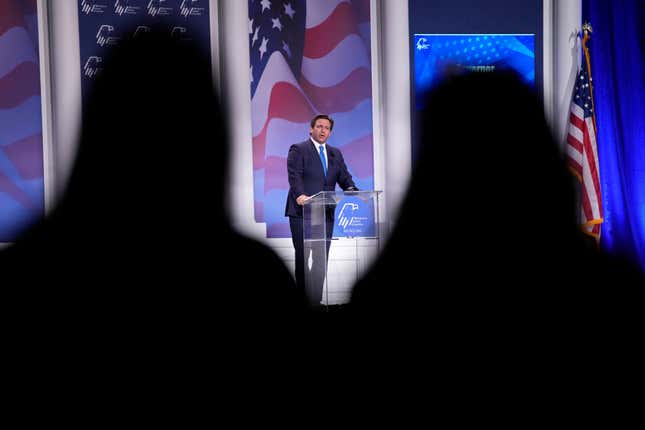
(323,159)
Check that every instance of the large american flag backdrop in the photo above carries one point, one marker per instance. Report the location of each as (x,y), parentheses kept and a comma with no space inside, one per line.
(21,144)
(307,57)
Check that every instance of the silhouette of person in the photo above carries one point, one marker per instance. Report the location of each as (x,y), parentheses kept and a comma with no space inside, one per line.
(142,232)
(486,287)
(487,235)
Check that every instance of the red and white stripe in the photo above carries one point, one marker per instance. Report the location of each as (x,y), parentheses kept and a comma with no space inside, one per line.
(335,80)
(582,157)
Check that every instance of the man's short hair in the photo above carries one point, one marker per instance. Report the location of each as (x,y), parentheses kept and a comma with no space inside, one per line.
(327,117)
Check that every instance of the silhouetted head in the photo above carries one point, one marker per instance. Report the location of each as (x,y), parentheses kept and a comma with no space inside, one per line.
(153,148)
(139,247)
(490,206)
(489,167)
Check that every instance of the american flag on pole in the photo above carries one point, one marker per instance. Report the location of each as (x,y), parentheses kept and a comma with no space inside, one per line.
(307,57)
(581,149)
(21,143)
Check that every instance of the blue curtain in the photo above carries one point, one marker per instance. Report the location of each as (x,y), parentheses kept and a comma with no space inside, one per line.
(617,51)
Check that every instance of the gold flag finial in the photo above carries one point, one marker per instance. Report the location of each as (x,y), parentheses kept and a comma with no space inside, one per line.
(586,28)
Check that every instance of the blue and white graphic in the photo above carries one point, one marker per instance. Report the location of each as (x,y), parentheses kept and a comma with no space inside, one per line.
(191,8)
(103,24)
(126,7)
(436,53)
(354,217)
(159,8)
(104,36)
(140,30)
(93,6)
(92,66)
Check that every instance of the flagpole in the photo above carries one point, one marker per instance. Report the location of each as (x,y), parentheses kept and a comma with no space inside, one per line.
(586,31)
(582,144)
(586,35)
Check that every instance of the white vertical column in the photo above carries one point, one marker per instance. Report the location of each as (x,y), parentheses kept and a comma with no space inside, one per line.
(376,17)
(566,22)
(235,79)
(49,178)
(65,88)
(215,46)
(547,60)
(396,124)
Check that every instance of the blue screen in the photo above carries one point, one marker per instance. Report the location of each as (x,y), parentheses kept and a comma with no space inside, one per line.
(436,54)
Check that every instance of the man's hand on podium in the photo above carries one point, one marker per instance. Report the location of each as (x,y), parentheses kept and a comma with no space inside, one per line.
(350,191)
(302,198)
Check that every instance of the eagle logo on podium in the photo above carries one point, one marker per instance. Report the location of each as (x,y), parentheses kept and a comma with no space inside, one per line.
(346,214)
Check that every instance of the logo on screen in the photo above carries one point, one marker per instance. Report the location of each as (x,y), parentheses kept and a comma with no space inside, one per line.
(93,6)
(122,7)
(92,66)
(140,30)
(190,8)
(103,36)
(422,43)
(156,7)
(179,33)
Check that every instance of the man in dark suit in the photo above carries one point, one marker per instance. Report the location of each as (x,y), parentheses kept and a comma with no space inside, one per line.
(313,166)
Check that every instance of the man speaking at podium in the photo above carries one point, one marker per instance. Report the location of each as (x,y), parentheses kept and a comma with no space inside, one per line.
(313,166)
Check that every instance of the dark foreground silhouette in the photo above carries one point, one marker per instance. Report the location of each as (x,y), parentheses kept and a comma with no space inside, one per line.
(487,236)
(141,237)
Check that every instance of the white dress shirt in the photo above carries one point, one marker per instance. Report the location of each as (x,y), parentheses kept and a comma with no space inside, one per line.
(318,145)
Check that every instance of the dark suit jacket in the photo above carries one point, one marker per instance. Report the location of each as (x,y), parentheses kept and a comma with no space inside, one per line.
(306,174)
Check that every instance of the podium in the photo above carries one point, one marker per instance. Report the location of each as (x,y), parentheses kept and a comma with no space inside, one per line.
(349,220)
